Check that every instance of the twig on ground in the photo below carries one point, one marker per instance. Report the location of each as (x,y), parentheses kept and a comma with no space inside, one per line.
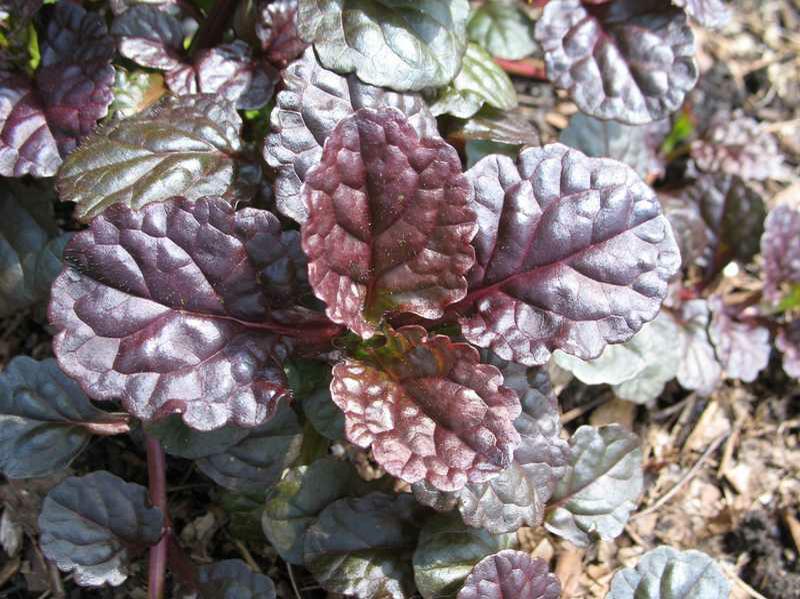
(292,580)
(740,583)
(247,556)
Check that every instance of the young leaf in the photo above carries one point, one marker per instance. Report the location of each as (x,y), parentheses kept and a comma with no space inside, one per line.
(276,29)
(630,61)
(45,419)
(788,341)
(311,105)
(232,578)
(294,504)
(186,145)
(480,81)
(399,45)
(134,92)
(742,347)
(179,440)
(502,29)
(94,525)
(429,409)
(559,235)
(256,462)
(363,546)
(150,37)
(163,308)
(699,370)
(709,13)
(597,496)
(665,572)
(780,248)
(511,575)
(389,226)
(446,552)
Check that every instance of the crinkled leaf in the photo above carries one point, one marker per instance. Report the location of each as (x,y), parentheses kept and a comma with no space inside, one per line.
(229,72)
(502,29)
(502,127)
(295,502)
(94,525)
(311,105)
(256,462)
(149,37)
(511,575)
(670,574)
(572,253)
(739,145)
(780,249)
(788,341)
(363,546)
(636,146)
(480,81)
(600,491)
(135,91)
(181,146)
(687,225)
(179,440)
(742,346)
(630,61)
(699,369)
(429,409)
(389,43)
(446,552)
(45,419)
(232,578)
(163,308)
(389,226)
(276,29)
(709,13)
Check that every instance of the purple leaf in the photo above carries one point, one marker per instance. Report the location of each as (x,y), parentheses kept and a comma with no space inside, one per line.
(742,347)
(687,225)
(511,574)
(788,341)
(228,71)
(780,249)
(571,253)
(150,37)
(74,36)
(232,578)
(276,29)
(709,13)
(429,409)
(311,105)
(630,61)
(389,226)
(163,309)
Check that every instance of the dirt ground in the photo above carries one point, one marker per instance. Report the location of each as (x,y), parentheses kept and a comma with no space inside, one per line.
(722,474)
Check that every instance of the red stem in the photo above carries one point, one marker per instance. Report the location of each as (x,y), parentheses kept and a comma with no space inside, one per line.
(523,68)
(157,482)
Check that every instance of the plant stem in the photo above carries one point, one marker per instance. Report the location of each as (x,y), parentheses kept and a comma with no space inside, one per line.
(211,29)
(157,482)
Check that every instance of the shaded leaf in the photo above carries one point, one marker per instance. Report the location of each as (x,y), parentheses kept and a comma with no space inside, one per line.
(296,501)
(687,225)
(149,37)
(666,572)
(446,552)
(399,45)
(363,546)
(600,491)
(276,29)
(709,13)
(429,409)
(511,575)
(477,149)
(232,578)
(311,105)
(389,226)
(179,440)
(788,341)
(134,92)
(45,419)
(699,369)
(780,249)
(502,29)
(559,235)
(256,462)
(163,309)
(480,81)
(502,127)
(324,415)
(186,145)
(113,525)
(630,61)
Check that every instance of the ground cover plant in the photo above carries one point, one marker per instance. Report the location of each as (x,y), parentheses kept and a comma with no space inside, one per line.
(313,251)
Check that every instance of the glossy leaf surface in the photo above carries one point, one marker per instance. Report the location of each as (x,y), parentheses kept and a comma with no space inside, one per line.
(501,127)
(150,37)
(307,110)
(46,420)
(630,61)
(511,575)
(276,29)
(113,525)
(389,225)
(389,43)
(572,253)
(600,491)
(232,578)
(502,29)
(429,410)
(780,249)
(163,309)
(182,146)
